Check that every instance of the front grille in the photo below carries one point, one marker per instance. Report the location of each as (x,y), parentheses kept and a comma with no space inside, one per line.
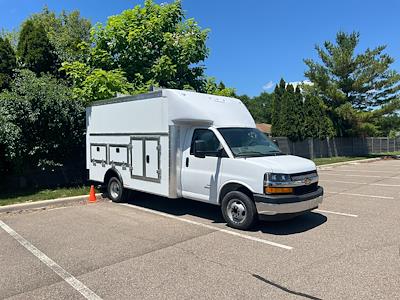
(305,189)
(301,176)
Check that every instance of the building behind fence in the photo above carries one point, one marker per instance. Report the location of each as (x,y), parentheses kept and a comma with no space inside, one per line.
(338,146)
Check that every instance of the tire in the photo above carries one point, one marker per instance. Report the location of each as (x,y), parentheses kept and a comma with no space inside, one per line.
(116,191)
(239,211)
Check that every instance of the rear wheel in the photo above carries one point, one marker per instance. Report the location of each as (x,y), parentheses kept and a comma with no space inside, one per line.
(116,191)
(238,210)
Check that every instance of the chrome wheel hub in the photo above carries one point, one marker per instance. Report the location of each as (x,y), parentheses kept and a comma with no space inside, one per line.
(114,189)
(236,211)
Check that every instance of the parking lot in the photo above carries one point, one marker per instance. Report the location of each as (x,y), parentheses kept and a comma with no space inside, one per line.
(154,247)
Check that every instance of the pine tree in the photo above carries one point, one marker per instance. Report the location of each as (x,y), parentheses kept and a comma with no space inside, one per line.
(357,87)
(7,63)
(316,121)
(276,120)
(286,115)
(298,112)
(35,50)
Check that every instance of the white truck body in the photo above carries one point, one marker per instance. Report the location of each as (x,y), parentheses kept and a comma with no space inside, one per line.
(147,141)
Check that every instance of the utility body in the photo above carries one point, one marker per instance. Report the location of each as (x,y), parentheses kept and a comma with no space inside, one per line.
(183,144)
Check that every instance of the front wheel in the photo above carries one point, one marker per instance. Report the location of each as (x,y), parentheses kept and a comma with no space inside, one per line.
(238,210)
(116,191)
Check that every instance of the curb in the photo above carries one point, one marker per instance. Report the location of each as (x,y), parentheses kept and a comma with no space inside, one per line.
(349,162)
(46,203)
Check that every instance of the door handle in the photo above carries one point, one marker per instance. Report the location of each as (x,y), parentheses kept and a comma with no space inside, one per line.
(187,161)
(148,158)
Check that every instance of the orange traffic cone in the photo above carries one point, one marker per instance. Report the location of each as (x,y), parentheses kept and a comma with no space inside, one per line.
(92,196)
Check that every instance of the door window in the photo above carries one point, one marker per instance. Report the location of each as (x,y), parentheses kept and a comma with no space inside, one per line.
(211,141)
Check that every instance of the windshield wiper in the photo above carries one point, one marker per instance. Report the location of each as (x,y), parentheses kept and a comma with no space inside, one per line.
(249,153)
(274,153)
(271,153)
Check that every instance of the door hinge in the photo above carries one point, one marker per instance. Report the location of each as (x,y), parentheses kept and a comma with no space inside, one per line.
(159,147)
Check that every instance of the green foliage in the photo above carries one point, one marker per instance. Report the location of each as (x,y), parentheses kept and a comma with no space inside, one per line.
(260,107)
(65,32)
(96,84)
(211,87)
(276,119)
(152,44)
(351,84)
(12,36)
(299,115)
(7,63)
(35,51)
(389,125)
(40,125)
(316,122)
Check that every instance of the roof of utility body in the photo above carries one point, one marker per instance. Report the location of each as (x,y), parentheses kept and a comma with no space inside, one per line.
(188,107)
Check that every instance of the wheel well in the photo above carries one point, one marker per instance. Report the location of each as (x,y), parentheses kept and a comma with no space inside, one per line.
(234,187)
(111,173)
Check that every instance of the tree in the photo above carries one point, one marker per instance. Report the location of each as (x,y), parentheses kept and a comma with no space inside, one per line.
(66,32)
(276,108)
(316,122)
(7,63)
(152,45)
(96,84)
(389,123)
(35,51)
(40,125)
(211,87)
(292,114)
(353,85)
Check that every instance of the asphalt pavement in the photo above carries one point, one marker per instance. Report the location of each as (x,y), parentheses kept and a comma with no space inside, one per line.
(158,248)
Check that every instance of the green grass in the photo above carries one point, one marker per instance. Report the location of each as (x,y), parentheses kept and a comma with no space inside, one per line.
(386,153)
(331,160)
(44,194)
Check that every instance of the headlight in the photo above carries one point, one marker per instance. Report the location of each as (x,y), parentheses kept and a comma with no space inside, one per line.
(274,183)
(277,177)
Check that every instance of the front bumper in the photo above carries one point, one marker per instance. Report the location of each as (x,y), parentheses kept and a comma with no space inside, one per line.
(288,204)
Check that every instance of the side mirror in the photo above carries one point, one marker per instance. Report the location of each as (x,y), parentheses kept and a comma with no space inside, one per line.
(275,141)
(199,148)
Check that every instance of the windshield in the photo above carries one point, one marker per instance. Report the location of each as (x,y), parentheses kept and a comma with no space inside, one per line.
(248,142)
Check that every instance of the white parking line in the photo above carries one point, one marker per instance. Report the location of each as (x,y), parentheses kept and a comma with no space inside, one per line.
(354,175)
(244,236)
(71,280)
(335,213)
(367,171)
(361,195)
(354,182)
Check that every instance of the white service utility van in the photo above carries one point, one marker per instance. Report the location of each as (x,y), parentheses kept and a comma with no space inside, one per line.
(183,144)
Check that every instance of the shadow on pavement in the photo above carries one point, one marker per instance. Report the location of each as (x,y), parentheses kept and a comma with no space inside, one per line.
(182,207)
(299,224)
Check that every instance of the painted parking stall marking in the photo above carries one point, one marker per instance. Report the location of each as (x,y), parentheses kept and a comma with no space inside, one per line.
(361,183)
(67,277)
(366,171)
(335,213)
(244,236)
(360,195)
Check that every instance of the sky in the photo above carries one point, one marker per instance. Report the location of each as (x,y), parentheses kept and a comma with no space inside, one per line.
(253,43)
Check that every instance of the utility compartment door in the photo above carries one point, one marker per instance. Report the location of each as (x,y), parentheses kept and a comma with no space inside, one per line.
(98,152)
(137,157)
(145,158)
(152,159)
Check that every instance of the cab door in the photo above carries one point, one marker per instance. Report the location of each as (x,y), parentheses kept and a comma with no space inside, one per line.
(200,176)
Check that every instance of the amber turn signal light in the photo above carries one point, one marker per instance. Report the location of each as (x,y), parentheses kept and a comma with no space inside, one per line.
(278,190)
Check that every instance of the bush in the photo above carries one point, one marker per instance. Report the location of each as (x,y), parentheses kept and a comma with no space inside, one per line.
(40,125)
